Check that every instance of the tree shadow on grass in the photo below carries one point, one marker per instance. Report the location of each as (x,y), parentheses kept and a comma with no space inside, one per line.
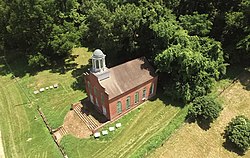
(228,145)
(202,123)
(244,79)
(166,99)
(241,74)
(63,65)
(77,73)
(16,63)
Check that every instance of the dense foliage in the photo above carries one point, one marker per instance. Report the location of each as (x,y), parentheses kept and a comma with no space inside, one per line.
(238,132)
(192,66)
(205,108)
(187,40)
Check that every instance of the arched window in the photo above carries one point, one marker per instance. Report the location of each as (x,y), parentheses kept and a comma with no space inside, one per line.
(89,86)
(144,93)
(152,89)
(136,97)
(102,98)
(119,107)
(96,102)
(95,91)
(128,102)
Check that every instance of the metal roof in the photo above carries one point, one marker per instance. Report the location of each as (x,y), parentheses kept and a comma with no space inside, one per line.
(127,76)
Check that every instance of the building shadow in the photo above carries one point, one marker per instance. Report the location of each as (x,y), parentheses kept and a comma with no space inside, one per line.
(89,109)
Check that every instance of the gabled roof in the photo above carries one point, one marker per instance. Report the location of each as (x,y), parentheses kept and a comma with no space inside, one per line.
(127,76)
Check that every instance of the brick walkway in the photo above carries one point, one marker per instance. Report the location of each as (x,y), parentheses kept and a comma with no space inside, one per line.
(1,147)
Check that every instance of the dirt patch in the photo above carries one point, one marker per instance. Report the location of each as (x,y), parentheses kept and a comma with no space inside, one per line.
(74,125)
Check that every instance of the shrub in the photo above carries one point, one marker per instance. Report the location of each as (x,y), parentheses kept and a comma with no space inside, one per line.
(205,108)
(238,132)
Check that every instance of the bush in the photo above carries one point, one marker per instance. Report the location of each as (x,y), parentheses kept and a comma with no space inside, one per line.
(205,108)
(238,132)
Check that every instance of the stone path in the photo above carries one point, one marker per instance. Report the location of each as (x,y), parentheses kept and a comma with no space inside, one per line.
(1,147)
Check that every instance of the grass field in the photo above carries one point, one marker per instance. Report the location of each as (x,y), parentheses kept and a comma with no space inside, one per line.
(22,134)
(137,127)
(25,135)
(191,141)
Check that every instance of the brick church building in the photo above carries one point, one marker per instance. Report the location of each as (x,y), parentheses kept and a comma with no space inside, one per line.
(115,91)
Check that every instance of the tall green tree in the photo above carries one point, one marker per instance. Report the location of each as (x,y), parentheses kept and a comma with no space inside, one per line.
(196,24)
(192,66)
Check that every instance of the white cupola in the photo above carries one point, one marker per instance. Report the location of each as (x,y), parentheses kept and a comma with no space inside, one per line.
(98,61)
(99,68)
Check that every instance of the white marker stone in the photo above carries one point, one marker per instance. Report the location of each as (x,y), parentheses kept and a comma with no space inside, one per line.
(42,89)
(105,132)
(111,128)
(55,85)
(97,134)
(47,88)
(51,87)
(118,125)
(36,92)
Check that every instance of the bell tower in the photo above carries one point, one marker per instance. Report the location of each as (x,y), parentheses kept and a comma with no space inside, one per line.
(99,68)
(98,61)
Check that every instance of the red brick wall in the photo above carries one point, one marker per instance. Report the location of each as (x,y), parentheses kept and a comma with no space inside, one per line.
(95,83)
(122,98)
(111,105)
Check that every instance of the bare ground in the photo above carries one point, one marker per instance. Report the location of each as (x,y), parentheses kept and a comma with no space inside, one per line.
(74,126)
(190,141)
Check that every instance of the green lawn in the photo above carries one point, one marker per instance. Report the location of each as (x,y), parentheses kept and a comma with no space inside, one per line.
(137,127)
(23,136)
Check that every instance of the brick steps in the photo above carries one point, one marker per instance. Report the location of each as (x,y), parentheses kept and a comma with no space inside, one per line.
(59,133)
(89,121)
(62,131)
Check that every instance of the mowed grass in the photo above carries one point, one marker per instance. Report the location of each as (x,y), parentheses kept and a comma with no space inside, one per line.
(137,127)
(23,131)
(55,103)
(22,135)
(191,141)
(25,135)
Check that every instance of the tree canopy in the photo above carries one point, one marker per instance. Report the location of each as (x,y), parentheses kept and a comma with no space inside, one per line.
(205,108)
(188,41)
(238,132)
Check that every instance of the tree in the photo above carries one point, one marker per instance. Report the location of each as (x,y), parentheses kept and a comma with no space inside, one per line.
(192,66)
(49,27)
(238,132)
(196,24)
(205,108)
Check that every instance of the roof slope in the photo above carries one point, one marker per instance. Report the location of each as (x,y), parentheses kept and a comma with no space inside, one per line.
(126,76)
